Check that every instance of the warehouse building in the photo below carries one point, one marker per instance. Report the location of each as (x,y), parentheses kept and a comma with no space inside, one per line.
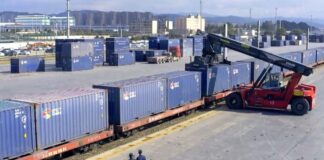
(43,20)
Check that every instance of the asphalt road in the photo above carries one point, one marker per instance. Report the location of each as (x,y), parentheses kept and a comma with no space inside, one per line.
(246,135)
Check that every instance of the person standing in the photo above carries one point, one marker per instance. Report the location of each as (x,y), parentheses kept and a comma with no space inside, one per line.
(140,155)
(131,156)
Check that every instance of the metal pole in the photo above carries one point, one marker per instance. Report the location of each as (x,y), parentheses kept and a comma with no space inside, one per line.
(201,15)
(307,40)
(226,35)
(68,18)
(259,33)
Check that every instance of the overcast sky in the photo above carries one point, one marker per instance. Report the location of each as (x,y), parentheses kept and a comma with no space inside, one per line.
(261,8)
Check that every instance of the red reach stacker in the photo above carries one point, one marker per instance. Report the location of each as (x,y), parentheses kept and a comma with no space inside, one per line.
(300,97)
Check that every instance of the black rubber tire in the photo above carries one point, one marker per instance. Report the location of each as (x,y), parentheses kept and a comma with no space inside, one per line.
(234,101)
(300,106)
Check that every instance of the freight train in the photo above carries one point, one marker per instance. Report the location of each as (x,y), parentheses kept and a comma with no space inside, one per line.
(48,125)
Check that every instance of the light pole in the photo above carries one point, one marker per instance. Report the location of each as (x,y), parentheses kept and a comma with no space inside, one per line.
(68,18)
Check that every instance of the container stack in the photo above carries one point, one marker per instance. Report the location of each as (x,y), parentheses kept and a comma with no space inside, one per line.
(98,50)
(59,49)
(171,45)
(154,42)
(27,64)
(198,45)
(186,47)
(316,38)
(77,56)
(118,52)
(240,74)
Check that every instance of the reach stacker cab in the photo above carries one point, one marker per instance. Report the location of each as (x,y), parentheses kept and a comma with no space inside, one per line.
(264,93)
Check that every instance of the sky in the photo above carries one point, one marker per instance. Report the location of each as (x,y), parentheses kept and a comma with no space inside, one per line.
(260,8)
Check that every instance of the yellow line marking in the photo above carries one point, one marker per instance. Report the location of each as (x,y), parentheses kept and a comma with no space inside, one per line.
(121,149)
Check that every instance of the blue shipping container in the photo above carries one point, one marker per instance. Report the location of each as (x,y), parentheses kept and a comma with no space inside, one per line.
(186,47)
(198,42)
(214,79)
(130,100)
(98,50)
(241,73)
(59,48)
(309,57)
(183,87)
(277,43)
(77,63)
(67,115)
(16,129)
(168,43)
(140,55)
(153,53)
(117,45)
(294,56)
(120,59)
(154,42)
(27,64)
(257,67)
(320,55)
(76,49)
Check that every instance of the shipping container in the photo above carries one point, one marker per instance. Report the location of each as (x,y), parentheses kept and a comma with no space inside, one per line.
(77,63)
(281,38)
(198,42)
(120,59)
(77,49)
(235,37)
(257,67)
(130,100)
(214,79)
(320,55)
(27,64)
(67,115)
(294,56)
(183,87)
(291,37)
(241,73)
(17,133)
(277,43)
(59,49)
(166,44)
(98,50)
(186,47)
(266,38)
(154,42)
(153,53)
(140,55)
(176,51)
(309,57)
(117,45)
(286,43)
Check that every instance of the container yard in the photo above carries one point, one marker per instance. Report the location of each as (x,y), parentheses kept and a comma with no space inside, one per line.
(95,85)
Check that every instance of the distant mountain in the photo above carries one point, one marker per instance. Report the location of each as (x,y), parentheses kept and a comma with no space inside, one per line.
(8,16)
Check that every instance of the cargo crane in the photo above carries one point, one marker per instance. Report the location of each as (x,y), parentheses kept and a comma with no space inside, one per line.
(300,97)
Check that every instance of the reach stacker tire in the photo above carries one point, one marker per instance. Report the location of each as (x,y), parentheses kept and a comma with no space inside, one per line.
(300,106)
(234,101)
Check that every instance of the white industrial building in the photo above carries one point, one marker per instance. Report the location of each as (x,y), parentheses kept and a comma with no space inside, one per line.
(190,24)
(43,20)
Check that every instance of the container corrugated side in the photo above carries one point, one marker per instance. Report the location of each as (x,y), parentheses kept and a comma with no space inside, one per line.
(77,49)
(320,55)
(130,100)
(120,59)
(241,73)
(78,63)
(309,57)
(140,55)
(183,87)
(27,64)
(187,47)
(168,43)
(154,42)
(117,45)
(17,132)
(66,115)
(98,50)
(153,53)
(214,79)
(58,49)
(294,56)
